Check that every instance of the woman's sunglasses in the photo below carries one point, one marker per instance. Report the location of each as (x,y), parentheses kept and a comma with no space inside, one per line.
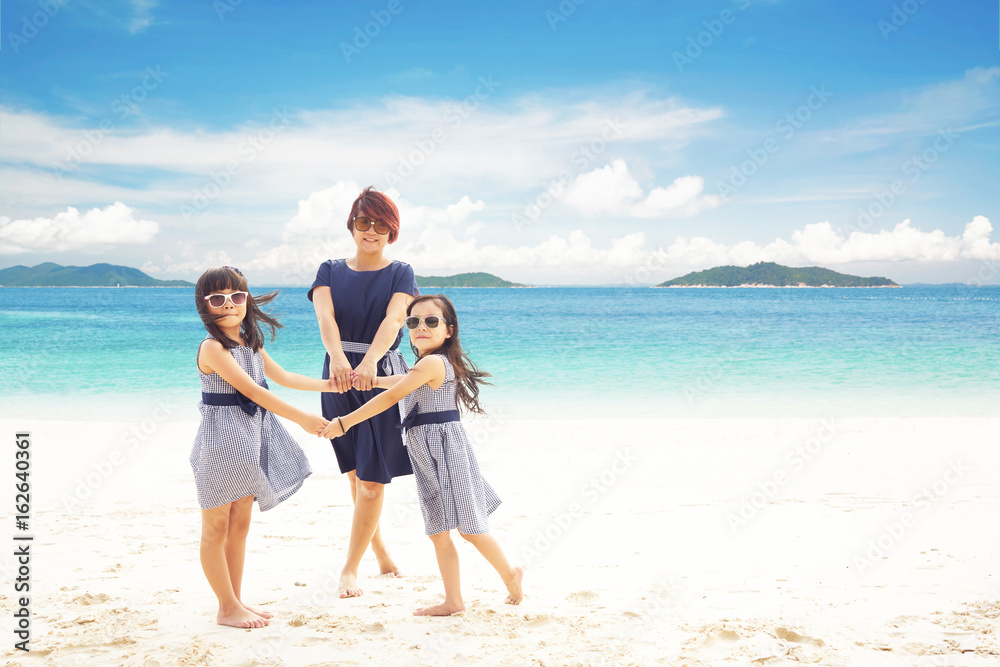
(219,300)
(362,224)
(412,322)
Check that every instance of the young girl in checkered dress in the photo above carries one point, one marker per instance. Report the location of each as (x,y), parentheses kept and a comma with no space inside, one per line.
(241,453)
(453,494)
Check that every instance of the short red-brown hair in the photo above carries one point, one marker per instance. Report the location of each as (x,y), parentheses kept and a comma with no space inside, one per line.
(373,204)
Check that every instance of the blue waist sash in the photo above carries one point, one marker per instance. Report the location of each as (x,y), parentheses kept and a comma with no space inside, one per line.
(239,399)
(417,419)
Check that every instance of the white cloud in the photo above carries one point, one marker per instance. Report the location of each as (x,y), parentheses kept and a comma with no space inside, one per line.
(296,263)
(318,231)
(191,264)
(603,190)
(612,190)
(421,147)
(441,240)
(95,230)
(941,107)
(322,211)
(816,243)
(457,213)
(131,15)
(682,198)
(414,218)
(574,257)
(819,243)
(142,17)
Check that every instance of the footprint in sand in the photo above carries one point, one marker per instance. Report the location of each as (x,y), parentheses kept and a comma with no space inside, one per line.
(793,636)
(538,619)
(583,597)
(374,628)
(713,634)
(88,599)
(726,635)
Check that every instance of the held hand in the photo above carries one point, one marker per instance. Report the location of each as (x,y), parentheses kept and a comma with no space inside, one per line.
(313,424)
(356,383)
(366,372)
(340,375)
(334,429)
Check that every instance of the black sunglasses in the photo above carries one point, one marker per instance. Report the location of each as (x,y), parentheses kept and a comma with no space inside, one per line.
(361,223)
(412,322)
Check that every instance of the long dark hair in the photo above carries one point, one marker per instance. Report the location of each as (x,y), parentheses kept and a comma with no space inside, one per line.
(467,376)
(228,277)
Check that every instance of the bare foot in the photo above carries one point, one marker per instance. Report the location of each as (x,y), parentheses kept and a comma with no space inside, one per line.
(241,618)
(443,609)
(263,613)
(388,569)
(349,586)
(514,587)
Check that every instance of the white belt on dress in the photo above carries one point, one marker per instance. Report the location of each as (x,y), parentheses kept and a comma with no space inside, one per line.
(392,363)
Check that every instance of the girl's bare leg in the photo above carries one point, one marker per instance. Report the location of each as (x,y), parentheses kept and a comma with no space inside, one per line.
(215,565)
(512,576)
(386,565)
(447,558)
(236,547)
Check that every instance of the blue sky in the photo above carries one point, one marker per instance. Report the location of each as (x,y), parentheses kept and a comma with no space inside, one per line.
(547,142)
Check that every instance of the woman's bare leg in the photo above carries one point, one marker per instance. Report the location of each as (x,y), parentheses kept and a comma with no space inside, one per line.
(386,565)
(368,497)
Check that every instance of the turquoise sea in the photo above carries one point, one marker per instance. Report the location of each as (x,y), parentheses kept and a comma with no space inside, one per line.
(560,352)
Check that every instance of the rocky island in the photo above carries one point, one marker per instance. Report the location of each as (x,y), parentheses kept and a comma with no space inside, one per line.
(478,279)
(769,274)
(50,274)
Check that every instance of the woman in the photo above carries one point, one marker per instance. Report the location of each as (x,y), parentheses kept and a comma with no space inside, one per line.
(360,304)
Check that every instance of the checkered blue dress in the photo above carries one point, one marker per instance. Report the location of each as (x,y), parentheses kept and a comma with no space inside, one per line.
(453,493)
(237,455)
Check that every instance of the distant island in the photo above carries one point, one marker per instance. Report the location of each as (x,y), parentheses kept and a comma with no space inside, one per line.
(50,274)
(95,275)
(769,274)
(465,280)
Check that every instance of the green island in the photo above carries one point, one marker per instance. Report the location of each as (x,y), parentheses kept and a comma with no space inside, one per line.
(50,274)
(95,275)
(769,274)
(465,280)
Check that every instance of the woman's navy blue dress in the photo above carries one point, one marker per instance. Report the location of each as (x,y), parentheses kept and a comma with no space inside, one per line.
(374,448)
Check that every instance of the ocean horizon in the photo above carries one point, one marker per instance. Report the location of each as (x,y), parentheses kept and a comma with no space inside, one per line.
(554,352)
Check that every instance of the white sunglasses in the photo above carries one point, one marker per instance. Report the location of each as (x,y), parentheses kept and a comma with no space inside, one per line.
(219,300)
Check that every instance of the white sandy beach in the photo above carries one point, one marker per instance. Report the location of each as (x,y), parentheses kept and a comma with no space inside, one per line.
(674,542)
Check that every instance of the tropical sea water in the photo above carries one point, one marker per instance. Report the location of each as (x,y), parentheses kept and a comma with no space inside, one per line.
(560,352)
